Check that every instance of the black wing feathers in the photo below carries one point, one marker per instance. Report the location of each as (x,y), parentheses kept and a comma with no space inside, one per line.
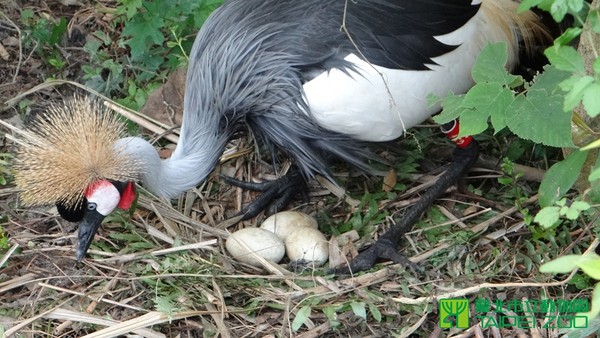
(400,34)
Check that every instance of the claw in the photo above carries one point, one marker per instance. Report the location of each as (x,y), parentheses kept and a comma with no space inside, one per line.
(382,249)
(385,247)
(275,194)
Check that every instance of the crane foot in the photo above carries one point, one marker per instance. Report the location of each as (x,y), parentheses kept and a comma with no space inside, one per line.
(383,249)
(275,195)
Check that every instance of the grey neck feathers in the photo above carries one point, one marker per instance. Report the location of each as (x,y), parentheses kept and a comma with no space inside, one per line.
(171,177)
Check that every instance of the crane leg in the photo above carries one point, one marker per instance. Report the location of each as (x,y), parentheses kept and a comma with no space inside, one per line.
(275,195)
(385,248)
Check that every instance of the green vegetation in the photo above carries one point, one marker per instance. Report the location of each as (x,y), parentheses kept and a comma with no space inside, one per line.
(566,93)
(5,173)
(157,34)
(42,36)
(129,57)
(139,43)
(543,112)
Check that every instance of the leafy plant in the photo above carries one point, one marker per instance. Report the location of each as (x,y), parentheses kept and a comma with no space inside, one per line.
(582,87)
(365,216)
(590,265)
(543,112)
(533,114)
(157,36)
(550,216)
(42,33)
(5,172)
(3,239)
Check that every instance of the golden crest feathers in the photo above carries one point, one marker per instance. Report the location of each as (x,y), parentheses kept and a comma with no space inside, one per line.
(525,26)
(67,149)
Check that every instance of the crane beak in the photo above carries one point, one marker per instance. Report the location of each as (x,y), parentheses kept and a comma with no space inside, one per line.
(87,229)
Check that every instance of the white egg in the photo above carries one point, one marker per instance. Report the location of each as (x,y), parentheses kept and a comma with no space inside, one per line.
(307,246)
(285,222)
(244,243)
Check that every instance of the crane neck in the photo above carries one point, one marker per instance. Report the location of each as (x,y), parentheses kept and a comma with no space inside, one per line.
(171,177)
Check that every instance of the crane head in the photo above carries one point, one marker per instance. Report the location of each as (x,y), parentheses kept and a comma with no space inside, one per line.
(68,158)
(100,199)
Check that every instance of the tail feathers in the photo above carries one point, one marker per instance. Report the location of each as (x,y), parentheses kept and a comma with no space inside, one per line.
(525,29)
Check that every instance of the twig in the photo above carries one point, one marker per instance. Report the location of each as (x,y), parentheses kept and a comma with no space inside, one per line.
(477,288)
(20,47)
(147,320)
(8,254)
(64,314)
(144,121)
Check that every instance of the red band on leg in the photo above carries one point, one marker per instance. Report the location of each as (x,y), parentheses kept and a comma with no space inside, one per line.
(452,130)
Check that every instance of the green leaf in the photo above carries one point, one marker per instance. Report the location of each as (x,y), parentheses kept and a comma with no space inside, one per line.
(164,304)
(540,118)
(359,309)
(591,99)
(548,216)
(561,177)
(594,175)
(592,145)
(485,100)
(451,109)
(26,15)
(590,264)
(129,7)
(576,89)
(128,237)
(331,314)
(375,312)
(569,35)
(550,79)
(559,9)
(570,214)
(58,30)
(301,317)
(595,310)
(91,47)
(580,205)
(575,209)
(564,264)
(575,5)
(527,5)
(594,22)
(596,66)
(565,58)
(586,327)
(144,32)
(490,65)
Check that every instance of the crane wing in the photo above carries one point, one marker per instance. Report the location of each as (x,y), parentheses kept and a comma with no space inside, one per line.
(401,34)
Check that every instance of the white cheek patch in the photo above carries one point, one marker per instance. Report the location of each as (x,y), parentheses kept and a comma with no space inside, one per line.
(106,196)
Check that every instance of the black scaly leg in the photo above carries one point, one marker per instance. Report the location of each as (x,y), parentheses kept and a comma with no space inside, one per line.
(385,247)
(275,195)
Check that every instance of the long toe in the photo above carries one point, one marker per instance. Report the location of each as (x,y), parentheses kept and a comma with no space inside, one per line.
(381,250)
(276,194)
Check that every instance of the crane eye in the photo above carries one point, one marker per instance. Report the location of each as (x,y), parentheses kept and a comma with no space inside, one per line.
(91,206)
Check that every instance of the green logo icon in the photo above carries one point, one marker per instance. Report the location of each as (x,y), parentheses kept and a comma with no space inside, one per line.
(454,313)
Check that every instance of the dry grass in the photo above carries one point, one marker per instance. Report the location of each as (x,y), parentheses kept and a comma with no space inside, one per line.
(162,271)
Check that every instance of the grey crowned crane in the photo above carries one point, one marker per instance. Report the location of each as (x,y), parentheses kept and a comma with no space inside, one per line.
(313,78)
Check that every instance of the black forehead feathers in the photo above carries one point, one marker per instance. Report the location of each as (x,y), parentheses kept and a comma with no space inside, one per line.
(72,213)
